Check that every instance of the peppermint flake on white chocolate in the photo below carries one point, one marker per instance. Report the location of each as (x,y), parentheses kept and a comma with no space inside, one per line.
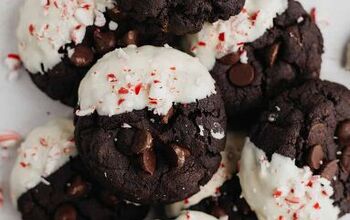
(146,77)
(44,151)
(216,40)
(48,25)
(284,190)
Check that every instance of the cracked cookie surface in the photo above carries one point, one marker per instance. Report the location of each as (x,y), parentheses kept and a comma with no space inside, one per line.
(285,56)
(147,160)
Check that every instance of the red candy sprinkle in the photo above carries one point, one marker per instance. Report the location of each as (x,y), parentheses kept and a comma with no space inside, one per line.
(123,90)
(31,29)
(295,216)
(309,184)
(280,217)
(202,43)
(120,101)
(43,142)
(313,14)
(222,36)
(78,27)
(156,81)
(292,200)
(24,165)
(277,194)
(317,206)
(254,16)
(14,56)
(87,6)
(111,77)
(138,88)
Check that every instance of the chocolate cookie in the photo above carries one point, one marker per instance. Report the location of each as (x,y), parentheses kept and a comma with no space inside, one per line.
(304,136)
(59,41)
(150,124)
(268,47)
(178,16)
(47,183)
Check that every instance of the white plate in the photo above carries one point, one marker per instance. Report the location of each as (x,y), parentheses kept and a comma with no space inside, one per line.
(24,107)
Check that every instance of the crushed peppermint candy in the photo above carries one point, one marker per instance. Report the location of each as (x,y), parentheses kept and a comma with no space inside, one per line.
(44,151)
(144,77)
(9,139)
(313,15)
(46,26)
(285,191)
(14,64)
(221,38)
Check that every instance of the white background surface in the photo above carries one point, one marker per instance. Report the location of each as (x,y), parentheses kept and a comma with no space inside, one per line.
(24,107)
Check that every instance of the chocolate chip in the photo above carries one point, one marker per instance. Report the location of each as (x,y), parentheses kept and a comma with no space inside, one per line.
(230,59)
(131,37)
(317,134)
(104,42)
(177,155)
(143,141)
(66,212)
(343,132)
(82,56)
(316,155)
(330,170)
(272,53)
(165,119)
(108,198)
(345,160)
(218,212)
(77,188)
(148,161)
(241,74)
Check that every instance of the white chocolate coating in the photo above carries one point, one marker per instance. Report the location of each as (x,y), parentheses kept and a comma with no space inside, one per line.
(44,151)
(47,25)
(150,77)
(278,189)
(224,37)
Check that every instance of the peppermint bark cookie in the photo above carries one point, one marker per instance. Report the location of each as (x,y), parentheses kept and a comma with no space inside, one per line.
(297,162)
(268,47)
(59,40)
(150,124)
(178,17)
(48,181)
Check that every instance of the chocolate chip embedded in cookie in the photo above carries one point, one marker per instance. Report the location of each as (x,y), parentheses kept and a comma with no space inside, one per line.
(48,181)
(253,56)
(303,151)
(178,17)
(221,196)
(150,124)
(58,41)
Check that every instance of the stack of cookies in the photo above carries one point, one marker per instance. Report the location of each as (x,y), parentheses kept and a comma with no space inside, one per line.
(160,91)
